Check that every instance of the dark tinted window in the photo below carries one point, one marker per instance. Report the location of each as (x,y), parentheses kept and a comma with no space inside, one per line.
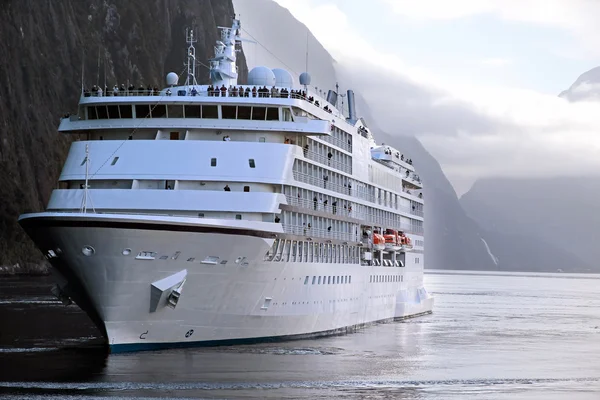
(258,113)
(192,111)
(126,111)
(272,114)
(102,113)
(142,110)
(92,113)
(244,112)
(175,111)
(228,112)
(159,111)
(210,112)
(113,112)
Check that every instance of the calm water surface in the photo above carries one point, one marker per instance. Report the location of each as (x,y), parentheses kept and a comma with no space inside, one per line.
(491,336)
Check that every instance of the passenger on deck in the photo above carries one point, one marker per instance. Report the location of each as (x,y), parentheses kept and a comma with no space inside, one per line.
(305,150)
(227,188)
(99,91)
(273,92)
(254,91)
(241,91)
(317,103)
(420,195)
(402,157)
(226,138)
(223,91)
(194,91)
(210,89)
(265,91)
(334,206)
(149,90)
(234,91)
(247,92)
(325,179)
(130,90)
(115,90)
(407,173)
(315,202)
(277,219)
(349,188)
(168,92)
(141,90)
(329,155)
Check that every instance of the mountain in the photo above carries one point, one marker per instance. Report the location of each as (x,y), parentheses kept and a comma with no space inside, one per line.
(44,46)
(453,240)
(585,88)
(539,224)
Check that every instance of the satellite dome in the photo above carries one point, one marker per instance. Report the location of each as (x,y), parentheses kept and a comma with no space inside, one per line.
(283,78)
(261,76)
(305,78)
(172,79)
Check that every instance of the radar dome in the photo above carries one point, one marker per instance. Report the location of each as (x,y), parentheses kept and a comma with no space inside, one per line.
(172,79)
(261,76)
(305,78)
(283,78)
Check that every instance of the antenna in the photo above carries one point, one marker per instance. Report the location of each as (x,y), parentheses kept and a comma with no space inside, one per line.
(86,194)
(82,68)
(191,58)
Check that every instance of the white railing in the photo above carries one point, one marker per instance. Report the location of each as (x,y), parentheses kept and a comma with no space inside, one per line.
(304,230)
(337,142)
(311,155)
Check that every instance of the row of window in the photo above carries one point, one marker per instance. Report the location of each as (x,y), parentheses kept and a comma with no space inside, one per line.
(185,111)
(386,278)
(329,280)
(307,251)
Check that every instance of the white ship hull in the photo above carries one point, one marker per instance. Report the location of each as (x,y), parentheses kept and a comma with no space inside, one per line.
(246,299)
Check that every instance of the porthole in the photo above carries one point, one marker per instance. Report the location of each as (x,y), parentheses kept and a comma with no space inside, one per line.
(126,252)
(88,251)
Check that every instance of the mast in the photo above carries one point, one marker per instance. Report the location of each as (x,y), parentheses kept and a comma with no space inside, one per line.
(86,195)
(191,58)
(223,69)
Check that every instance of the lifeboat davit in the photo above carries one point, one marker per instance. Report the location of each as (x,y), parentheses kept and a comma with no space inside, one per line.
(378,241)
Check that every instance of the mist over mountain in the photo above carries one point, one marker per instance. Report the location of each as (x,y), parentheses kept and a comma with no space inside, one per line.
(43,47)
(557,217)
(453,240)
(585,88)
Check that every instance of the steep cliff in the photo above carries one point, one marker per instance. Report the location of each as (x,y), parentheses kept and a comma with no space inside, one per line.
(44,46)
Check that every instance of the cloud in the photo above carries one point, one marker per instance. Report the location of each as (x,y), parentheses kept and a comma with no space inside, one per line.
(496,61)
(473,131)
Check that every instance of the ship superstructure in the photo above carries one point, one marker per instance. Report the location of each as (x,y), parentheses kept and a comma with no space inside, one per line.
(202,214)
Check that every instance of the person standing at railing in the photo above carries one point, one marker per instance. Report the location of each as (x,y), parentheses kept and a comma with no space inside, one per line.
(325,179)
(315,202)
(254,91)
(334,206)
(329,155)
(223,91)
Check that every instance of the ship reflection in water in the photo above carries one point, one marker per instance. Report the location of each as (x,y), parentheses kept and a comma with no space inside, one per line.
(492,337)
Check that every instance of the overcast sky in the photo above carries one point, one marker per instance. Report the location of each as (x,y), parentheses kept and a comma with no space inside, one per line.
(476,80)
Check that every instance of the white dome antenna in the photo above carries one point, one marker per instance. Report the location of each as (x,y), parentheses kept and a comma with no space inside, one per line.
(261,76)
(172,79)
(283,78)
(305,79)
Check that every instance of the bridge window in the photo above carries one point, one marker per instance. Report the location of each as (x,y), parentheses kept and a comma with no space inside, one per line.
(258,113)
(238,216)
(192,111)
(159,111)
(175,111)
(213,162)
(126,111)
(114,161)
(102,113)
(251,162)
(246,188)
(228,112)
(113,112)
(244,112)
(272,114)
(92,113)
(142,110)
(210,112)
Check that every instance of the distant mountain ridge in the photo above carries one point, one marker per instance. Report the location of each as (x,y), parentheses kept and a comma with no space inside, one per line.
(537,223)
(452,241)
(585,88)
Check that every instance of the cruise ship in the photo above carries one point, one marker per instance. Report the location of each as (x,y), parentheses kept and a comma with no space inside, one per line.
(219,213)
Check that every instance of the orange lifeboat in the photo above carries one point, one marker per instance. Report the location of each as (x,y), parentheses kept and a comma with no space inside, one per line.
(378,241)
(392,240)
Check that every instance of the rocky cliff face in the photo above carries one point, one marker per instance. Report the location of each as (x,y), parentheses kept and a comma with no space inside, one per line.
(44,46)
